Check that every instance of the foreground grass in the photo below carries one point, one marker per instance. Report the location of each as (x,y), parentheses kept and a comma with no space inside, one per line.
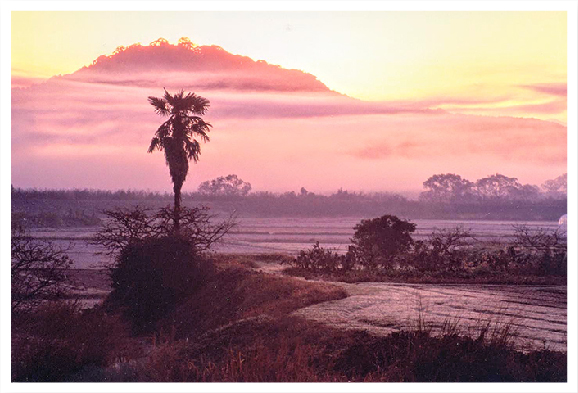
(239,327)
(290,349)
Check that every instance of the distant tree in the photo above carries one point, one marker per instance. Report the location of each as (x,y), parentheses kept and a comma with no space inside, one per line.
(526,192)
(176,136)
(497,186)
(378,241)
(446,187)
(230,185)
(557,186)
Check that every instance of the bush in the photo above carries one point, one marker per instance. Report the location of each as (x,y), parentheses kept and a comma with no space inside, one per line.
(544,250)
(318,258)
(444,251)
(151,276)
(377,242)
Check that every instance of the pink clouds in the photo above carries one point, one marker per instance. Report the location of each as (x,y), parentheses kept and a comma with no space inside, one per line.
(25,81)
(488,138)
(205,67)
(279,130)
(555,89)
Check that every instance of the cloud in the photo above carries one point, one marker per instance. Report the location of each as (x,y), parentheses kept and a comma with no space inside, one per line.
(205,67)
(25,81)
(277,128)
(550,107)
(555,89)
(470,138)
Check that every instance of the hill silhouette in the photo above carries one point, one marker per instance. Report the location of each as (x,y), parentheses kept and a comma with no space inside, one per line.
(205,67)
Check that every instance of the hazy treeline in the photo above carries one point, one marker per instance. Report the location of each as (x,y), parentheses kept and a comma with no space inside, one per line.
(88,194)
(452,188)
(446,196)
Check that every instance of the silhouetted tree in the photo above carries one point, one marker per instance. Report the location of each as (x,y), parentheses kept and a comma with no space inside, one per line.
(176,136)
(379,240)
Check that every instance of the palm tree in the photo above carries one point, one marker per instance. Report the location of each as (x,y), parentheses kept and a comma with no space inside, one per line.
(176,136)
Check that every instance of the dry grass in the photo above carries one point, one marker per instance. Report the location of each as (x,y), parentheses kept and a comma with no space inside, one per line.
(238,327)
(57,340)
(294,350)
(235,293)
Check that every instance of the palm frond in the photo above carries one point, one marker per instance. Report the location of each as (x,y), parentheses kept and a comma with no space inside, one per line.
(155,144)
(164,130)
(160,105)
(196,126)
(193,148)
(201,129)
(169,98)
(200,105)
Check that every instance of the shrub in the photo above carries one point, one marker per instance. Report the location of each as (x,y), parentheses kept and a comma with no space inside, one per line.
(318,258)
(377,242)
(151,276)
(545,250)
(443,251)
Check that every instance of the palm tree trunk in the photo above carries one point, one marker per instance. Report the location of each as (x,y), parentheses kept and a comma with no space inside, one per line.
(177,211)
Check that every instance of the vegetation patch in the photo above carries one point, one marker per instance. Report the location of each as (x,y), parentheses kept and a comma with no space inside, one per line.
(383,250)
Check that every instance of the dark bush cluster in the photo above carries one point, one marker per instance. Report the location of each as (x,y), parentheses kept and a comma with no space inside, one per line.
(379,242)
(157,266)
(152,276)
(385,245)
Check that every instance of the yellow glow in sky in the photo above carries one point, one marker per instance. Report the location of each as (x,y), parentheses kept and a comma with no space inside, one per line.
(498,66)
(367,55)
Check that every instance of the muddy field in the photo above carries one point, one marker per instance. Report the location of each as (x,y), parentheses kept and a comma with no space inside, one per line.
(536,315)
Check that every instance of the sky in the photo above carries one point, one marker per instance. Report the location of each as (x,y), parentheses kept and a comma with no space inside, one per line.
(472,93)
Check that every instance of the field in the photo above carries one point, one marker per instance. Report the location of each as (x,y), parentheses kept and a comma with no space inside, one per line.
(535,313)
(248,323)
(257,318)
(288,235)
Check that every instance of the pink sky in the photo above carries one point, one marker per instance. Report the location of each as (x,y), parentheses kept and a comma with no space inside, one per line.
(278,129)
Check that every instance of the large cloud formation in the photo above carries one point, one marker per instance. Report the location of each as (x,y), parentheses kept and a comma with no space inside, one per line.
(279,129)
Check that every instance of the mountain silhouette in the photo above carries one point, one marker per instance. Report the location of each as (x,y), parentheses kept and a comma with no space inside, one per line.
(201,67)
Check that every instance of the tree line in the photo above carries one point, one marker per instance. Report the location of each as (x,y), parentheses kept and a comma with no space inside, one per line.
(452,188)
